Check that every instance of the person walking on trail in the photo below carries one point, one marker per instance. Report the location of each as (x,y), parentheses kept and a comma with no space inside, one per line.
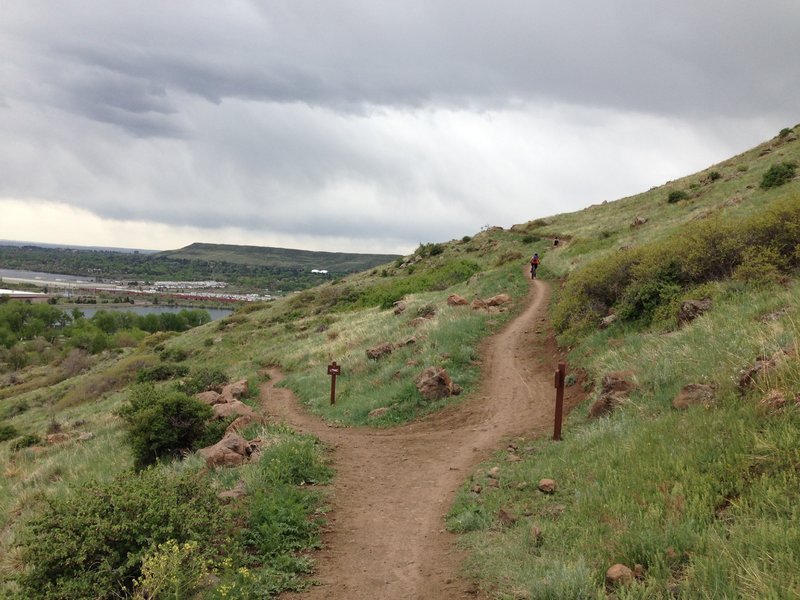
(534,264)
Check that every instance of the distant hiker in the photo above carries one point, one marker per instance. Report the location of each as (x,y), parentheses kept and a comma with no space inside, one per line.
(534,264)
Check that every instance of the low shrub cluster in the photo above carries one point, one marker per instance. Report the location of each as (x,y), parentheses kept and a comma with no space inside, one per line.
(161,372)
(162,422)
(778,175)
(643,283)
(91,543)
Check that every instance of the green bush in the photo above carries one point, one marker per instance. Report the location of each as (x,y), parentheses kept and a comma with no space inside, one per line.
(208,378)
(24,441)
(714,176)
(91,543)
(7,432)
(778,175)
(676,196)
(162,422)
(161,372)
(295,461)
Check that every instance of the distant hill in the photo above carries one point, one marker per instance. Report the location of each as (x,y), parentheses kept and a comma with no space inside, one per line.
(337,262)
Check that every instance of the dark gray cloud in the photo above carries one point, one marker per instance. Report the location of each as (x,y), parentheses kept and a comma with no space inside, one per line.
(417,120)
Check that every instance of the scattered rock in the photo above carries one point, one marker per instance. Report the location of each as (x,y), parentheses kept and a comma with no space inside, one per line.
(238,491)
(236,408)
(748,376)
(399,307)
(456,300)
(478,304)
(493,483)
(693,394)
(380,350)
(613,393)
(241,422)
(476,489)
(378,412)
(618,575)
(639,221)
(230,451)
(506,517)
(774,401)
(235,391)
(547,486)
(606,404)
(58,438)
(210,397)
(691,309)
(499,300)
(606,322)
(85,436)
(493,473)
(434,383)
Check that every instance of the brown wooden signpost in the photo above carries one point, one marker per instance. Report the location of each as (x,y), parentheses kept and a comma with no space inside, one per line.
(333,371)
(560,376)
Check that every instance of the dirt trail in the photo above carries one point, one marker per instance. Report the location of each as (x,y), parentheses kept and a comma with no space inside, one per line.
(386,537)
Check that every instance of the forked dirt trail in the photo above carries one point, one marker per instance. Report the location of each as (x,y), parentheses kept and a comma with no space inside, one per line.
(386,537)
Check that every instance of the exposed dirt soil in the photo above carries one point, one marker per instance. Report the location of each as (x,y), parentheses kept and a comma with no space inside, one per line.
(386,536)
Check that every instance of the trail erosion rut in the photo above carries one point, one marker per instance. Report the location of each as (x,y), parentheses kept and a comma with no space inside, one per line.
(386,535)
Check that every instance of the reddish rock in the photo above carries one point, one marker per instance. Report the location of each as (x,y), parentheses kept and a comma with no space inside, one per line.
(499,300)
(236,408)
(639,221)
(58,438)
(547,486)
(606,404)
(479,304)
(399,307)
(493,483)
(493,473)
(748,376)
(692,394)
(230,451)
(434,383)
(379,351)
(210,397)
(618,575)
(613,393)
(476,489)
(235,391)
(378,412)
(691,309)
(456,300)
(506,517)
(241,422)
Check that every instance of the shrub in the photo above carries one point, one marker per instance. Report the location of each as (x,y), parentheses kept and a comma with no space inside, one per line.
(24,441)
(7,432)
(714,176)
(778,175)
(162,422)
(91,543)
(784,132)
(207,378)
(174,355)
(161,372)
(676,196)
(171,571)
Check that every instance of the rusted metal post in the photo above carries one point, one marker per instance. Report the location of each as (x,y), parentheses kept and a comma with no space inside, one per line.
(560,376)
(333,371)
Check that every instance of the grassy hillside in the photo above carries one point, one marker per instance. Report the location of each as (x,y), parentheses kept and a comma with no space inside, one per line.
(704,499)
(336,262)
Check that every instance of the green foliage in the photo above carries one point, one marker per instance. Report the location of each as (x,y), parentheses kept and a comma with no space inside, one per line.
(714,175)
(639,281)
(162,422)
(24,441)
(676,196)
(294,462)
(91,543)
(7,432)
(206,378)
(784,132)
(778,175)
(172,571)
(161,372)
(385,294)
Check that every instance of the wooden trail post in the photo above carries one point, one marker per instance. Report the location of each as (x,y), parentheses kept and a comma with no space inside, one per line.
(559,381)
(333,371)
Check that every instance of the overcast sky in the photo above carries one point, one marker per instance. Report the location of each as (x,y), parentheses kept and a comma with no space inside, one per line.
(369,126)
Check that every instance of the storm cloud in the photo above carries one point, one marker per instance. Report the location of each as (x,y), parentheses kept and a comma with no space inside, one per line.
(375,125)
